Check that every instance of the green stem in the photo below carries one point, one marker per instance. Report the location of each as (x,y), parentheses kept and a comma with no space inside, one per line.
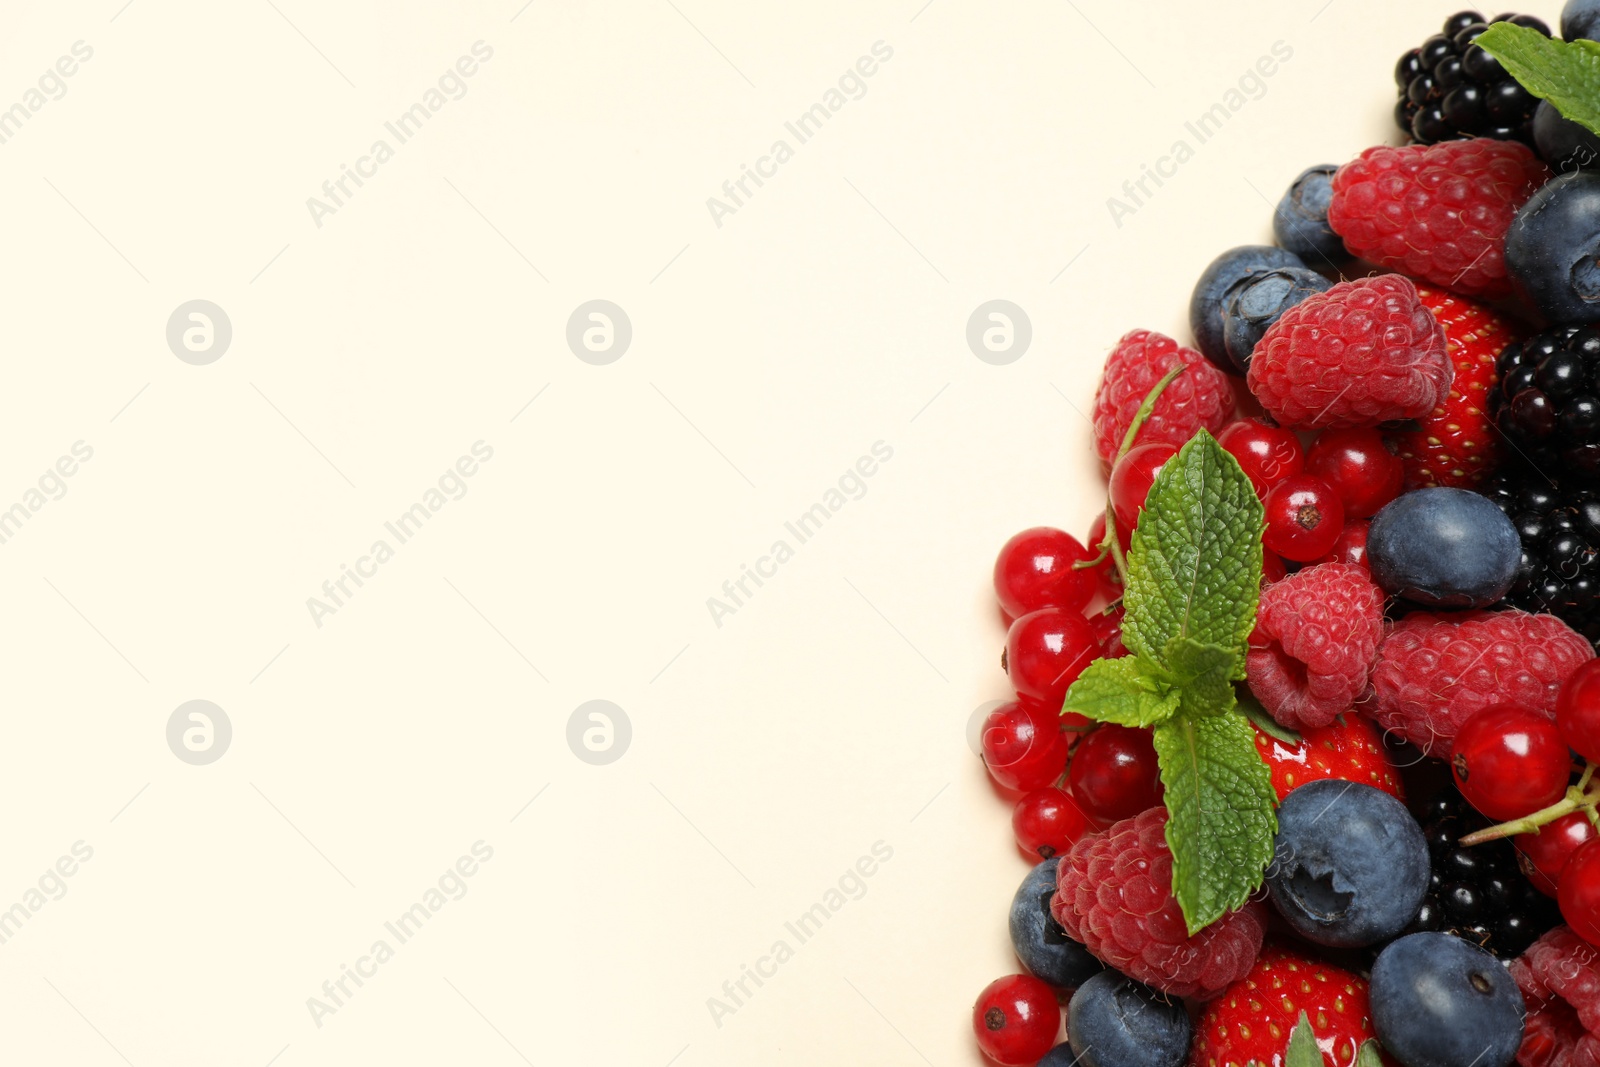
(1140,417)
(1575,799)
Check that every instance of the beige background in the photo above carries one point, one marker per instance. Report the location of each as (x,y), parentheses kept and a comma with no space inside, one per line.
(827,314)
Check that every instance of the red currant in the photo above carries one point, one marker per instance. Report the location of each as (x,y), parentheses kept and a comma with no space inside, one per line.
(1023,746)
(1016,1019)
(1351,547)
(1106,569)
(1132,477)
(1304,517)
(1272,568)
(1047,822)
(1578,711)
(1035,570)
(1046,650)
(1268,454)
(1107,629)
(1359,467)
(1579,895)
(1544,853)
(1510,761)
(1114,773)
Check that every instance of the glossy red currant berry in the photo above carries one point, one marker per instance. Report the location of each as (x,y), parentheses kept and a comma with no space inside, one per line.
(1106,570)
(1046,650)
(1578,711)
(1358,466)
(1351,546)
(1132,477)
(1510,761)
(1016,1019)
(1544,854)
(1107,629)
(1047,822)
(1035,570)
(1579,895)
(1304,517)
(1272,568)
(1114,774)
(1268,454)
(1023,746)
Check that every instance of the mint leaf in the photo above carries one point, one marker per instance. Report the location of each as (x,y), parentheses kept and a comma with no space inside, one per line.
(1194,569)
(1264,722)
(1303,1050)
(1204,676)
(1220,821)
(1121,691)
(1566,73)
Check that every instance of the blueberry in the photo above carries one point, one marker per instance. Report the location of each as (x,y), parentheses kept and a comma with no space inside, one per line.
(1438,1001)
(1553,248)
(1114,1021)
(1349,866)
(1447,548)
(1042,946)
(1060,1056)
(1255,303)
(1205,305)
(1581,19)
(1300,222)
(1564,144)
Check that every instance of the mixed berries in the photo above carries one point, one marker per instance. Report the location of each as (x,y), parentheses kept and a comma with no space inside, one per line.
(1409,382)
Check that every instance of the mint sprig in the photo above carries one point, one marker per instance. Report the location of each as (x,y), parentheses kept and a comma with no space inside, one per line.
(1566,73)
(1194,577)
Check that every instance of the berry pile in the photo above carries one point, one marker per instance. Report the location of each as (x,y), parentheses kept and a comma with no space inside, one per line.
(1303,743)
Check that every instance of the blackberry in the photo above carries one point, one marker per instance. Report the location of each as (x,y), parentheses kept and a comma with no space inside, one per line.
(1560,532)
(1478,893)
(1450,88)
(1548,402)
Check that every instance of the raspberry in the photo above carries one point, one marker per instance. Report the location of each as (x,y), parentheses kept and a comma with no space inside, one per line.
(1437,212)
(1199,398)
(1456,444)
(1316,635)
(1364,352)
(1435,670)
(1114,894)
(1560,981)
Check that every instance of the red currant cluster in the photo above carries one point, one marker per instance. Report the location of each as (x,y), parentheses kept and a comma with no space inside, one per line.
(1516,764)
(1073,777)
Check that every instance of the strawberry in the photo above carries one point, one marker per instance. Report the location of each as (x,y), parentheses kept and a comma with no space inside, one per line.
(1250,1022)
(1350,747)
(1456,445)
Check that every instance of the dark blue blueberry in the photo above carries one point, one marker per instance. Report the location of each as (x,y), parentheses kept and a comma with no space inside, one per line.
(1114,1021)
(1580,19)
(1564,144)
(1438,1001)
(1205,305)
(1257,301)
(1060,1056)
(1300,222)
(1042,946)
(1350,865)
(1553,248)
(1446,548)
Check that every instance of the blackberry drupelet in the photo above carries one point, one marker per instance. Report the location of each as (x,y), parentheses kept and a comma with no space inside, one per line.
(1478,893)
(1450,88)
(1560,532)
(1548,402)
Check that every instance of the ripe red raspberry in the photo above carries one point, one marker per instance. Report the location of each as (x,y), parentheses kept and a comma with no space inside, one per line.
(1364,352)
(1114,895)
(1559,977)
(1316,635)
(1435,670)
(1200,398)
(1436,212)
(1457,444)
